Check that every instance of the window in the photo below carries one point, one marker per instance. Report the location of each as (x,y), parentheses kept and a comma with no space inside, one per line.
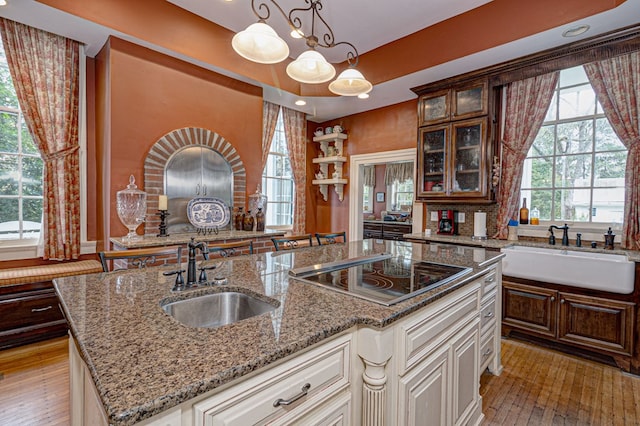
(277,180)
(367,199)
(575,168)
(401,195)
(21,168)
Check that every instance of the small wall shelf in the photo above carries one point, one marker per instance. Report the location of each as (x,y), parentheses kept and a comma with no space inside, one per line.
(331,146)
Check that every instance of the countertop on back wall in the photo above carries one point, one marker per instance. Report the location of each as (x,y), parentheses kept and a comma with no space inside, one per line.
(183,238)
(144,362)
(632,255)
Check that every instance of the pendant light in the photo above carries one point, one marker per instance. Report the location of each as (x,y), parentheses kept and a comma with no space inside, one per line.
(260,43)
(311,67)
(350,82)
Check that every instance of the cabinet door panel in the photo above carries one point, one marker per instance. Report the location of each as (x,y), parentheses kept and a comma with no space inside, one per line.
(423,393)
(468,162)
(465,368)
(529,308)
(433,144)
(469,101)
(596,323)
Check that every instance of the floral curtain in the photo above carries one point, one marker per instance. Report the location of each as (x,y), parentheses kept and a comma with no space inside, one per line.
(295,130)
(398,172)
(269,120)
(369,178)
(527,102)
(45,72)
(616,82)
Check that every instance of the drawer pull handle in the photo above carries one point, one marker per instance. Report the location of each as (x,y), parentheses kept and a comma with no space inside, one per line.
(490,279)
(278,402)
(488,314)
(487,353)
(46,308)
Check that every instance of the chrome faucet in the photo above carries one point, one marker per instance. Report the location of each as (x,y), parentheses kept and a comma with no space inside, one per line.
(565,234)
(191,266)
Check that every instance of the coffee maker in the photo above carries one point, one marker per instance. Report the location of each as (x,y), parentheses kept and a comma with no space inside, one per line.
(447,222)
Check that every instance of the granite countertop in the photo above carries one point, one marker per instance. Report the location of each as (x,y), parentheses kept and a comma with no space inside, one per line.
(183,238)
(632,255)
(144,362)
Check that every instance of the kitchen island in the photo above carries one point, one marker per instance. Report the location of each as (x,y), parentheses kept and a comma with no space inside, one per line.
(131,362)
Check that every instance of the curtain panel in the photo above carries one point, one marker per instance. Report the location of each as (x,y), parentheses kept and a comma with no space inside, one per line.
(269,121)
(369,176)
(527,102)
(295,130)
(616,82)
(399,172)
(46,74)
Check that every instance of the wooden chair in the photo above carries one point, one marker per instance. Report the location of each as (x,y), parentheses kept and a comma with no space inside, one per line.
(292,242)
(325,238)
(141,258)
(231,249)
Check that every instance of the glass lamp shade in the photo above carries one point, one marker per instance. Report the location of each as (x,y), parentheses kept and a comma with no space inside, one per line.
(260,43)
(350,82)
(311,67)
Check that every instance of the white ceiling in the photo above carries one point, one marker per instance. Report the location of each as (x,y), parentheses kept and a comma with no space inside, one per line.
(356,21)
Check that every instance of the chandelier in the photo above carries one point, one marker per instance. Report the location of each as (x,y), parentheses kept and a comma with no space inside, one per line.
(260,43)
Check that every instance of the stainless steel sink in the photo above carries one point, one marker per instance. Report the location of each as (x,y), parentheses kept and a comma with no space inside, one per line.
(218,309)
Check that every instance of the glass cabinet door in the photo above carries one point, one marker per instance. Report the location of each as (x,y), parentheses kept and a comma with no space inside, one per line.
(468,157)
(432,161)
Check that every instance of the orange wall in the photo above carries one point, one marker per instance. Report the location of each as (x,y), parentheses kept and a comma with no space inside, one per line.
(146,95)
(384,129)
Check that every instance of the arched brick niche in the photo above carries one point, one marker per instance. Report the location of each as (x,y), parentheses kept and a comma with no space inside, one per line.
(163,149)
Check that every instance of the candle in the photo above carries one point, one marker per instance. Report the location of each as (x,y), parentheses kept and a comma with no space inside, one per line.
(162,202)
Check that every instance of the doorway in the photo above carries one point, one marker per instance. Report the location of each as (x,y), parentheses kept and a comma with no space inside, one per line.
(356,176)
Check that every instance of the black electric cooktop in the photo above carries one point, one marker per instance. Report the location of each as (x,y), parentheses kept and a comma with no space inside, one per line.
(383,279)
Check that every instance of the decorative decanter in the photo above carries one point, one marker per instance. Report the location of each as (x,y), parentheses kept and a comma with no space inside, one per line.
(257,200)
(131,204)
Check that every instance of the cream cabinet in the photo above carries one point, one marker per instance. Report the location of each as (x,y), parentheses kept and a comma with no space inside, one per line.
(284,394)
(423,369)
(332,149)
(428,365)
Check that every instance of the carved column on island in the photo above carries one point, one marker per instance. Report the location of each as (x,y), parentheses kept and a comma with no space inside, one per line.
(375,348)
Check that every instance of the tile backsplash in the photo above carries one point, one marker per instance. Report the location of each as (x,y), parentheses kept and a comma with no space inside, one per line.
(465,228)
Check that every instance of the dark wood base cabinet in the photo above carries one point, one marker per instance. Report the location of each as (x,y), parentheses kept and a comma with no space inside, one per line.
(599,324)
(29,313)
(386,230)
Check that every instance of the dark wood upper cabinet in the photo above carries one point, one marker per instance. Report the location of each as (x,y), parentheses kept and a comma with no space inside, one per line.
(454,145)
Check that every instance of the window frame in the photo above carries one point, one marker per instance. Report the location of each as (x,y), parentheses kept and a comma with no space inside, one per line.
(278,133)
(556,158)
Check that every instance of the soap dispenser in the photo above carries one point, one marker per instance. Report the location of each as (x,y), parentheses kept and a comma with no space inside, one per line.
(608,239)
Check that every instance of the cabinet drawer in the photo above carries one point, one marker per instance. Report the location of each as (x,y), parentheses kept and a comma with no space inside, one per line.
(488,311)
(487,349)
(489,283)
(420,336)
(29,309)
(284,393)
(398,229)
(372,227)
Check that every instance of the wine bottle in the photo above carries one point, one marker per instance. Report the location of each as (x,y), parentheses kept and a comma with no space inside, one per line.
(524,213)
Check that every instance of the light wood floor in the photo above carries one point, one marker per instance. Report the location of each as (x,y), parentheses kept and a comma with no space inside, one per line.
(34,384)
(537,387)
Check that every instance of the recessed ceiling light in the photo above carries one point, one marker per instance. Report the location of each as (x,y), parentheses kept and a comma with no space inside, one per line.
(363,96)
(301,102)
(576,31)
(3,2)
